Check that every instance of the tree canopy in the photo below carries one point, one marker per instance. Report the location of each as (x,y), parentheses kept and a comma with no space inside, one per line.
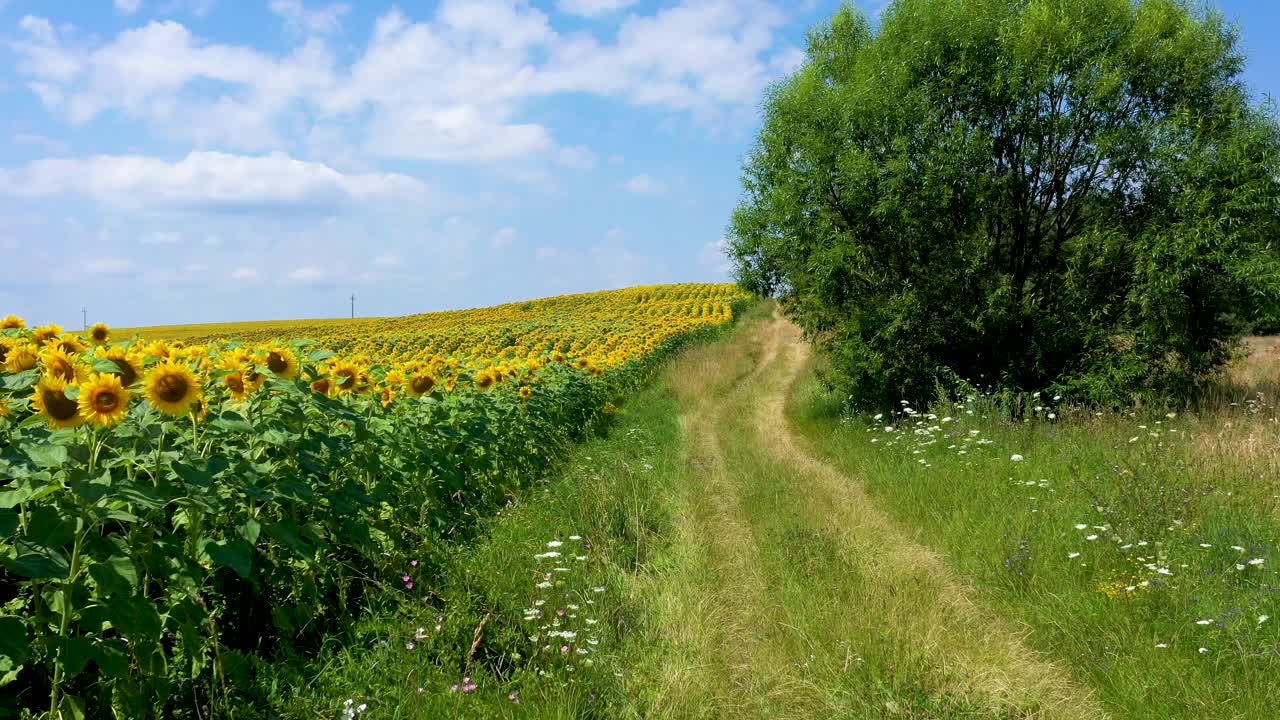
(1068,194)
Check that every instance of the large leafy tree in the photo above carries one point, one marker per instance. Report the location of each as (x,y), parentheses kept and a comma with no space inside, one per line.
(1067,194)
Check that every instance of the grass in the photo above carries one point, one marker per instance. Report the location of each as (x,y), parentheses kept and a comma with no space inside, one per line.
(1137,548)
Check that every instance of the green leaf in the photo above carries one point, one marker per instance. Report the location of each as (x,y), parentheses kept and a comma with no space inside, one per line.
(135,617)
(47,456)
(8,521)
(234,554)
(115,576)
(71,708)
(232,422)
(250,530)
(42,563)
(76,653)
(22,380)
(15,643)
(103,365)
(111,658)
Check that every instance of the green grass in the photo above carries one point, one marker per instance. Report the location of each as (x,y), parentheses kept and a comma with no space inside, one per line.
(615,493)
(1123,613)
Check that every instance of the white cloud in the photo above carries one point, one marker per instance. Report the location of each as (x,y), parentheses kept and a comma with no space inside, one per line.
(614,234)
(46,144)
(128,7)
(577,157)
(452,87)
(644,184)
(245,274)
(319,21)
(387,260)
(161,238)
(546,253)
(593,8)
(207,180)
(107,266)
(713,256)
(503,238)
(308,274)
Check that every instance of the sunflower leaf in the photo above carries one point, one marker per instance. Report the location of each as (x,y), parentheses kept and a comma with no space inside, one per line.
(104,365)
(22,380)
(47,456)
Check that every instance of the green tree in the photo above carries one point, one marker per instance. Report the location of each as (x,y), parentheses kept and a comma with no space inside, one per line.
(1077,195)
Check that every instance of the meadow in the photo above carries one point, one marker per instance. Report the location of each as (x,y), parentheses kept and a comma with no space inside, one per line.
(179,514)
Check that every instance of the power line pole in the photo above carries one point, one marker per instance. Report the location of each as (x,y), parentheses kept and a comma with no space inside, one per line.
(353,306)
(84,315)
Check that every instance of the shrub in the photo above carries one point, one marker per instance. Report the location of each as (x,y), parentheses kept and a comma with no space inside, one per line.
(1075,195)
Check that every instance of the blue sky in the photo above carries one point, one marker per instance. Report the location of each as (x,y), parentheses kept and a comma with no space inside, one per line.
(172,161)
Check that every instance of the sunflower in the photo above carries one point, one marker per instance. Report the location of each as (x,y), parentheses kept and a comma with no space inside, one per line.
(236,385)
(388,396)
(21,357)
(45,333)
(158,349)
(582,363)
(322,386)
(172,388)
(5,346)
(51,402)
(346,377)
(70,344)
(282,362)
(199,410)
(420,383)
(99,333)
(103,399)
(525,392)
(128,365)
(61,364)
(12,322)
(484,380)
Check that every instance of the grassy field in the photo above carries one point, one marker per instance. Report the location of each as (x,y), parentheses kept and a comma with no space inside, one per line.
(1138,548)
(759,555)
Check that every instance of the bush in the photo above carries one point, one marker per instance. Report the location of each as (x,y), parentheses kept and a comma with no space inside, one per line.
(1075,195)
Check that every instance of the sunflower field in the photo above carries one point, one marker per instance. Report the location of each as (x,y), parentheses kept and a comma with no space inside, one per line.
(175,507)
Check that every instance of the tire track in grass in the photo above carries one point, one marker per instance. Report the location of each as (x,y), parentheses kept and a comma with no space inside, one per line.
(787,594)
(922,600)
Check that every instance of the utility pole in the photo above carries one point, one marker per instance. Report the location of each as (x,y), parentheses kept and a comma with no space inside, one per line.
(84,315)
(353,306)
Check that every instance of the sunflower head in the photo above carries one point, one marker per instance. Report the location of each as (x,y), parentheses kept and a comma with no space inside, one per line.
(582,363)
(172,388)
(21,357)
(51,402)
(103,399)
(236,386)
(61,364)
(158,349)
(99,333)
(70,344)
(199,410)
(12,322)
(525,392)
(45,333)
(128,366)
(282,362)
(388,396)
(346,377)
(484,380)
(322,386)
(420,383)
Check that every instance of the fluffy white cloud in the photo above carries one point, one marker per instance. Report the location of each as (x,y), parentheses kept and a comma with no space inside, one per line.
(503,238)
(577,157)
(644,184)
(593,8)
(207,180)
(128,7)
(713,256)
(452,87)
(320,21)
